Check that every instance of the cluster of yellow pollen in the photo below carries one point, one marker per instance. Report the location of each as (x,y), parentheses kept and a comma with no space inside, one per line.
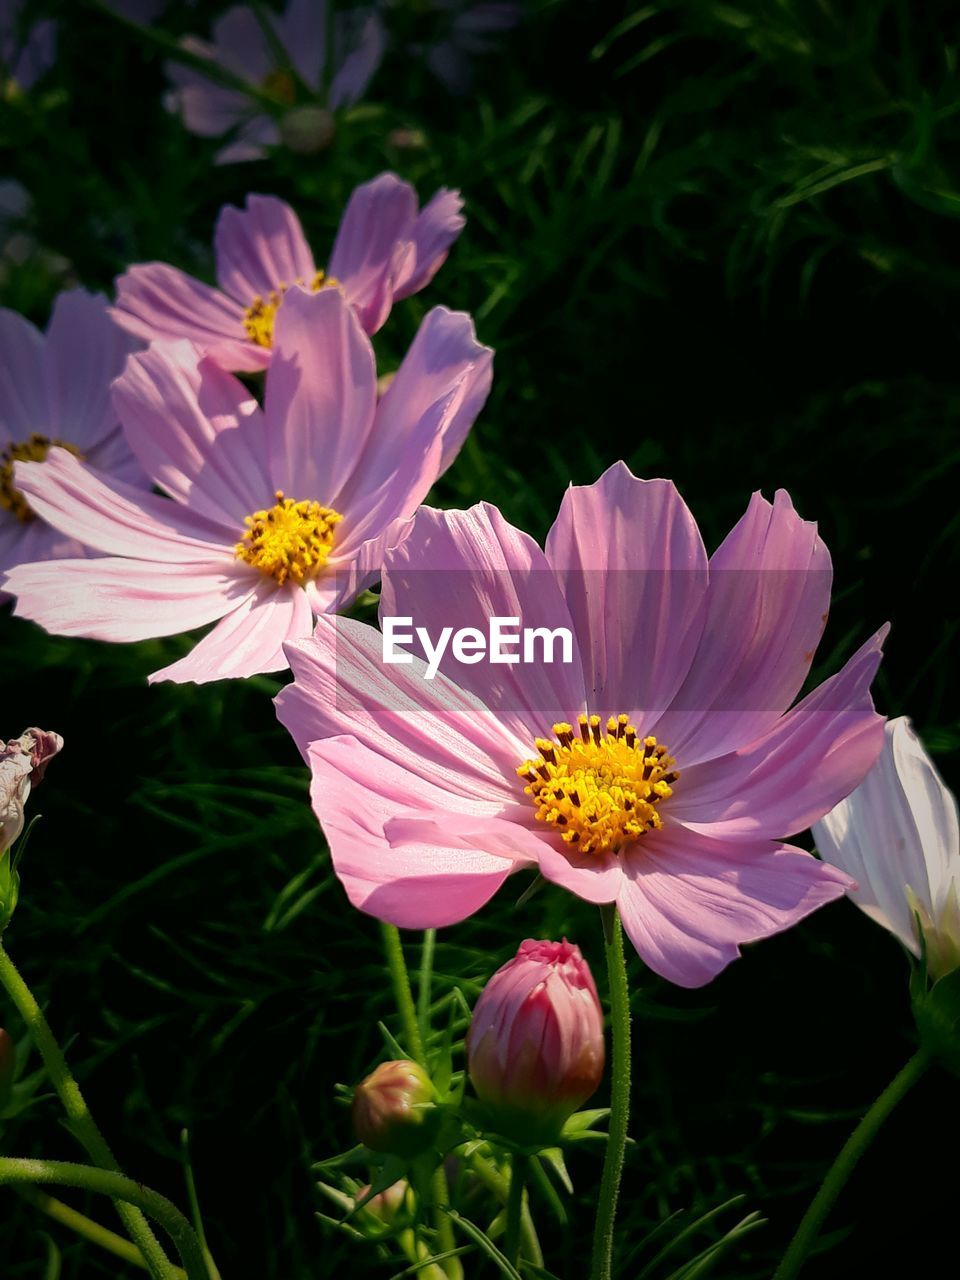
(259,317)
(289,541)
(33,450)
(599,790)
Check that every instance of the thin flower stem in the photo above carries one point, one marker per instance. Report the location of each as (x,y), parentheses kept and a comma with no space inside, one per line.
(66,1174)
(86,1227)
(602,1265)
(491,1177)
(82,1123)
(518,1178)
(425,981)
(400,978)
(446,1239)
(845,1163)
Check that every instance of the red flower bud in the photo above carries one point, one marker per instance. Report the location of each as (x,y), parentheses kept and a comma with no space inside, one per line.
(535,1048)
(393,1109)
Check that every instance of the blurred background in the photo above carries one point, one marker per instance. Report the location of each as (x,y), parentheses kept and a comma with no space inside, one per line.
(719,240)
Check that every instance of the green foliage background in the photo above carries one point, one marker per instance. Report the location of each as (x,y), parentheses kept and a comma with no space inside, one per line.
(717,240)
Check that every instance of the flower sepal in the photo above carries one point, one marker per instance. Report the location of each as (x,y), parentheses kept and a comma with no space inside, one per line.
(9,889)
(936,1011)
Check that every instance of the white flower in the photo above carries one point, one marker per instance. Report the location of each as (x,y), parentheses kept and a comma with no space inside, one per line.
(898,836)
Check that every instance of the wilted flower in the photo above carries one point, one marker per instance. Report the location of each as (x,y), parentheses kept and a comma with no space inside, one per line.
(23,762)
(26,48)
(655,766)
(288,65)
(274,515)
(535,1049)
(393,1109)
(384,250)
(55,391)
(897,836)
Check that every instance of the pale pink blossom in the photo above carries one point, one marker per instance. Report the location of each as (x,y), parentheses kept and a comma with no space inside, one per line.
(55,391)
(660,769)
(385,250)
(273,515)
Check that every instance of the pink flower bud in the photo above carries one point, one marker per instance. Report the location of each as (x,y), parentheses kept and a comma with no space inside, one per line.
(23,762)
(387,1204)
(535,1048)
(393,1109)
(8,1064)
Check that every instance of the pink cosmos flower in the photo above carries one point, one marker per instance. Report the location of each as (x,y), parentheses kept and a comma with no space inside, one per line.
(384,251)
(899,835)
(535,1049)
(338,76)
(273,515)
(658,768)
(55,390)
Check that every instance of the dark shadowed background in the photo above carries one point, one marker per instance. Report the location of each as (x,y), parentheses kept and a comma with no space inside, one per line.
(720,241)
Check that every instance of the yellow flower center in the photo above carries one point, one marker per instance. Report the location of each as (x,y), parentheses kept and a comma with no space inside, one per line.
(600,791)
(33,450)
(290,540)
(259,317)
(280,85)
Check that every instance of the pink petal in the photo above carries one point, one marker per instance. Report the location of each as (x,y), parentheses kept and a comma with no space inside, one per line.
(357,68)
(117,599)
(373,246)
(205,108)
(260,248)
(897,829)
(632,566)
(437,226)
(460,568)
(247,641)
(112,456)
(302,30)
(239,43)
(157,301)
(766,609)
(446,739)
(444,356)
(85,350)
(116,518)
(197,431)
(688,902)
(354,793)
(813,757)
(320,396)
(250,142)
(24,400)
(595,877)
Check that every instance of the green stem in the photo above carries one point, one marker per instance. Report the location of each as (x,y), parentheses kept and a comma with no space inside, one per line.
(402,993)
(425,982)
(518,1176)
(83,1226)
(446,1240)
(491,1177)
(66,1174)
(845,1163)
(602,1265)
(81,1121)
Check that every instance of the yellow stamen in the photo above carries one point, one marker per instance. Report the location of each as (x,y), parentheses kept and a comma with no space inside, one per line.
(598,790)
(281,86)
(291,540)
(33,450)
(259,317)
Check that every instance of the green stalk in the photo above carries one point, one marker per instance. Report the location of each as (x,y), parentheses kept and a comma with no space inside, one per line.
(81,1121)
(85,1227)
(518,1177)
(602,1264)
(402,993)
(845,1163)
(66,1174)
